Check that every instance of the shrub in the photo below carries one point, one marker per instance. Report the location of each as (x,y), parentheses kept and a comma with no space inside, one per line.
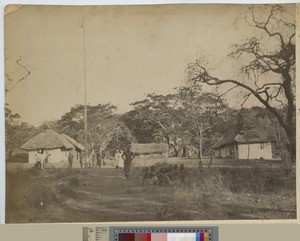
(171,210)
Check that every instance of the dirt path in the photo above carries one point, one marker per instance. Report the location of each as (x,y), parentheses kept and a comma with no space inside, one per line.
(105,195)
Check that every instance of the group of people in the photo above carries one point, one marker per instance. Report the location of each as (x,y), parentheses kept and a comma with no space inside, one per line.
(163,175)
(122,160)
(43,159)
(95,160)
(166,175)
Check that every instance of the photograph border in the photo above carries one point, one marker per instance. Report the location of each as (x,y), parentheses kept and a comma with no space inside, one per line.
(155,223)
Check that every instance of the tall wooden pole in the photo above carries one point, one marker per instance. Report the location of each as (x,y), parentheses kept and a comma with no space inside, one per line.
(85,107)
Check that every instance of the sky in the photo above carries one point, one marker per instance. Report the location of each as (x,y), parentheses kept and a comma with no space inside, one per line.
(130,51)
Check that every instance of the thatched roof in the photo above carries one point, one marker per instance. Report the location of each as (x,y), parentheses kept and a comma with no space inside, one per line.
(74,142)
(149,148)
(49,139)
(258,136)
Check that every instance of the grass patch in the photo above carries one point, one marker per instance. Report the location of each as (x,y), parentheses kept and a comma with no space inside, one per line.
(225,193)
(35,190)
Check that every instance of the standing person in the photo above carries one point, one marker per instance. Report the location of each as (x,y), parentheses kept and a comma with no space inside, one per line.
(99,159)
(93,160)
(46,163)
(117,159)
(121,161)
(89,160)
(182,172)
(152,175)
(39,157)
(127,156)
(103,157)
(81,158)
(70,159)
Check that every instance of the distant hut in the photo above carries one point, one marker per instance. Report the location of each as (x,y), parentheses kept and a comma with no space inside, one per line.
(151,151)
(188,151)
(18,155)
(238,146)
(58,145)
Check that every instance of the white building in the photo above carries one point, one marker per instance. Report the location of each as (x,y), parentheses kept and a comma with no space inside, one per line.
(239,147)
(50,142)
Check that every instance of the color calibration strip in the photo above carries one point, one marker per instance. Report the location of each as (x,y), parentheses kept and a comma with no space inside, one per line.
(202,236)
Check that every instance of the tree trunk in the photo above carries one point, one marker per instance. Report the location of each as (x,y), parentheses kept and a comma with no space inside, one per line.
(279,142)
(290,125)
(210,161)
(248,154)
(291,135)
(200,147)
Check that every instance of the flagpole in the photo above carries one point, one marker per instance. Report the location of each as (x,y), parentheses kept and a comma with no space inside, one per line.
(85,96)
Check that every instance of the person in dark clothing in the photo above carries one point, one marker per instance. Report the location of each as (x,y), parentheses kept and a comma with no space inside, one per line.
(152,175)
(182,173)
(70,159)
(47,160)
(99,160)
(81,159)
(127,156)
(145,173)
(163,176)
(175,174)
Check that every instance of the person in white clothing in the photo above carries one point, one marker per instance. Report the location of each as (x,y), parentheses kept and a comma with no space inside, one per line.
(121,161)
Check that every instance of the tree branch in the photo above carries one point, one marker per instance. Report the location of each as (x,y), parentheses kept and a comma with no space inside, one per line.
(16,82)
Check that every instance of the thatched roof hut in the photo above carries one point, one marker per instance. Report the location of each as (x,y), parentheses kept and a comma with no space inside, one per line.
(258,136)
(58,145)
(50,139)
(18,155)
(259,145)
(149,148)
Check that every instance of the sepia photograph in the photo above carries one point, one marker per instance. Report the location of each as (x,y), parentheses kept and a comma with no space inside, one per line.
(180,112)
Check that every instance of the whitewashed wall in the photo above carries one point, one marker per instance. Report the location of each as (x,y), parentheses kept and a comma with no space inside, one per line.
(256,151)
(56,155)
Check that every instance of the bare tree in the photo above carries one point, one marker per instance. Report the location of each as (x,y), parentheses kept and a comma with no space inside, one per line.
(271,52)
(104,132)
(11,80)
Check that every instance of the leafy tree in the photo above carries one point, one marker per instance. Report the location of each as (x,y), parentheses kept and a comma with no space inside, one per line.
(268,65)
(159,116)
(104,127)
(16,131)
(202,114)
(142,128)
(49,125)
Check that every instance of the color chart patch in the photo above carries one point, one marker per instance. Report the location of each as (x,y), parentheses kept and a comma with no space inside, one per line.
(202,236)
(158,233)
(163,235)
